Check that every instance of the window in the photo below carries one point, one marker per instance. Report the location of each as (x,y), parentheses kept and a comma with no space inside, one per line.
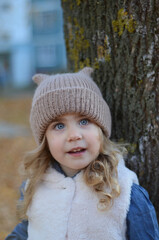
(46,22)
(46,56)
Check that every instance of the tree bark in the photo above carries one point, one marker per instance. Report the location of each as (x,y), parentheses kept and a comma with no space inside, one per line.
(120,40)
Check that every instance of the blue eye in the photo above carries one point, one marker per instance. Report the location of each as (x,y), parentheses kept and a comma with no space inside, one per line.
(84,122)
(59,126)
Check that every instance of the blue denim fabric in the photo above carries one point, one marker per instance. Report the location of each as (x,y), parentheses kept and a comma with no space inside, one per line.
(141,219)
(20,232)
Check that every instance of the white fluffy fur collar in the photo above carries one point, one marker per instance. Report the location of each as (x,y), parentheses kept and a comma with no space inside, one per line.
(66,208)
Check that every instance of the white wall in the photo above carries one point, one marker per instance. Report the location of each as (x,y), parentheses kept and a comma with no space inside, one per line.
(22,65)
(14,20)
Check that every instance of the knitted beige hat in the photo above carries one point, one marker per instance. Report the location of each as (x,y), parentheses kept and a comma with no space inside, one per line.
(67,93)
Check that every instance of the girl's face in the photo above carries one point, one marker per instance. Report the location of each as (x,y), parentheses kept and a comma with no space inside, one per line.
(74,142)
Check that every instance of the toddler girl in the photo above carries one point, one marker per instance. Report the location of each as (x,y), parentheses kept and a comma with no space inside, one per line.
(77,184)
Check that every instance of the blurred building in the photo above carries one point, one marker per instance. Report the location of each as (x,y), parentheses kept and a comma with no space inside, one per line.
(31,40)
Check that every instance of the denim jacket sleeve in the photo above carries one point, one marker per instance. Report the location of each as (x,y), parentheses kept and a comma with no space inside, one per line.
(20,231)
(141,219)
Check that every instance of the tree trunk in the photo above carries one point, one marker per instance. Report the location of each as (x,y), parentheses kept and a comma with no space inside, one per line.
(120,40)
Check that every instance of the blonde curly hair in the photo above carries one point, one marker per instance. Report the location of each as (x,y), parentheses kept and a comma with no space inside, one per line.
(101,174)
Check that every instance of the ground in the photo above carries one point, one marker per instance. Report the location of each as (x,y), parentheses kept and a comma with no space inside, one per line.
(15,140)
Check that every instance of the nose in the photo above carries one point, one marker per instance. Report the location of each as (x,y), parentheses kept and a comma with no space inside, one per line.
(74,135)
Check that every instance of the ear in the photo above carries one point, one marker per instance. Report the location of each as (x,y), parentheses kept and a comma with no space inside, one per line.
(39,77)
(87,70)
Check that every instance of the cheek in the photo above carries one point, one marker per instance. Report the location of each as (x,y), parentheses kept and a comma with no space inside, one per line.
(97,146)
(95,142)
(54,146)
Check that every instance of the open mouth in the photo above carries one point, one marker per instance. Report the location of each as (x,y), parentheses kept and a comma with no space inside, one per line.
(77,151)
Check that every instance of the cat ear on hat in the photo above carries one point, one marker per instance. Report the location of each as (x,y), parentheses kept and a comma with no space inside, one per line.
(87,70)
(39,77)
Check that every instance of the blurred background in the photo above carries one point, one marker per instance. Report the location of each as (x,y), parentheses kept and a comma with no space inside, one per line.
(31,41)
